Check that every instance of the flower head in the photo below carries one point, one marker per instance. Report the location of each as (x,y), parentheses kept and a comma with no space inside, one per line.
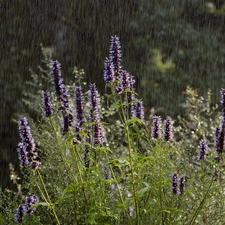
(168,133)
(115,55)
(175,181)
(67,121)
(56,73)
(139,109)
(94,103)
(109,71)
(98,134)
(219,139)
(31,200)
(222,92)
(156,127)
(22,210)
(22,153)
(47,104)
(79,105)
(20,213)
(26,148)
(94,114)
(202,150)
(65,99)
(127,81)
(182,184)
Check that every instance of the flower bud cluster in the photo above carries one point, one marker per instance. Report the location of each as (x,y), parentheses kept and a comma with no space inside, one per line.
(79,105)
(222,92)
(219,134)
(62,95)
(26,148)
(157,127)
(115,55)
(109,74)
(168,134)
(202,150)
(22,210)
(94,114)
(47,104)
(123,81)
(219,139)
(178,184)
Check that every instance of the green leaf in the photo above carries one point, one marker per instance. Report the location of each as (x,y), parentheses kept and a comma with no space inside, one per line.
(70,189)
(134,120)
(143,191)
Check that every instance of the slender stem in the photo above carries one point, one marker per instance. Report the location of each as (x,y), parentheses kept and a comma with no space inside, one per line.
(201,203)
(59,146)
(133,178)
(118,188)
(75,154)
(48,197)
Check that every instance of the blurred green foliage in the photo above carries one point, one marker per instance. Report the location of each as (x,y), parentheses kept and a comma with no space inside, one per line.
(167,45)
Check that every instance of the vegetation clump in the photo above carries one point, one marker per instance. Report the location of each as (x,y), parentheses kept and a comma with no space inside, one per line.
(94,159)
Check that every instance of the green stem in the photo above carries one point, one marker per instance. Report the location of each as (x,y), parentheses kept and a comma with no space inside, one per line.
(201,203)
(48,197)
(118,187)
(75,155)
(133,178)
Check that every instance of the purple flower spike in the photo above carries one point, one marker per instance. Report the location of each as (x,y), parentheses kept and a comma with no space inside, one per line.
(22,210)
(26,137)
(202,150)
(127,81)
(60,88)
(94,115)
(47,104)
(26,148)
(94,103)
(175,187)
(67,122)
(35,164)
(56,73)
(22,155)
(182,184)
(156,128)
(115,55)
(168,134)
(222,92)
(20,213)
(31,200)
(109,71)
(98,134)
(65,98)
(219,139)
(139,109)
(79,101)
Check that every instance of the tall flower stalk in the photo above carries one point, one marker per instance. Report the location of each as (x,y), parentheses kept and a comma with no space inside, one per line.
(168,130)
(47,104)
(79,105)
(26,148)
(27,156)
(115,55)
(98,134)
(62,95)
(156,127)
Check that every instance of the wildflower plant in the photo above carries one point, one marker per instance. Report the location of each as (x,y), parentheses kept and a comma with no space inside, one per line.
(107,164)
